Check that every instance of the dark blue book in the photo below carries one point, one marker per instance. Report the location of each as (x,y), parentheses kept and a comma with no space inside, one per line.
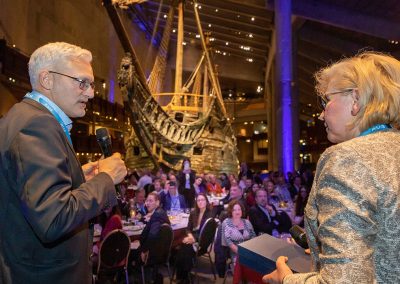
(261,253)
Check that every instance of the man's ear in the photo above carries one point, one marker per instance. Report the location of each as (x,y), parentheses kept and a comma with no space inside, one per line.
(45,80)
(355,108)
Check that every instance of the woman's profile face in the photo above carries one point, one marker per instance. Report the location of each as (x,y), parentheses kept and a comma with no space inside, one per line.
(338,115)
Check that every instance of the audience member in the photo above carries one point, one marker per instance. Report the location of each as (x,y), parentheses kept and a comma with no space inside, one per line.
(145,179)
(300,205)
(236,229)
(173,200)
(199,186)
(234,194)
(225,182)
(155,217)
(186,180)
(251,195)
(213,187)
(263,216)
(186,252)
(295,187)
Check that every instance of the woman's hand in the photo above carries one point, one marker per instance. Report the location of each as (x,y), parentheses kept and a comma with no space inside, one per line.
(234,248)
(281,271)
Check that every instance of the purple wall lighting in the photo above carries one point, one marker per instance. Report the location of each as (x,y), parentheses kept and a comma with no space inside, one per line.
(284,72)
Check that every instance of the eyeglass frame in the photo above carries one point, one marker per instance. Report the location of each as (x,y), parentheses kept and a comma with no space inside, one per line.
(84,84)
(323,102)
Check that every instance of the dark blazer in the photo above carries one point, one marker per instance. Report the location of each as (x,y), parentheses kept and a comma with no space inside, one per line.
(188,193)
(45,203)
(261,224)
(150,231)
(167,202)
(182,180)
(260,221)
(192,219)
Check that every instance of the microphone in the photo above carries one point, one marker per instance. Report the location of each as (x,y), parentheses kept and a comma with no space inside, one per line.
(104,140)
(299,235)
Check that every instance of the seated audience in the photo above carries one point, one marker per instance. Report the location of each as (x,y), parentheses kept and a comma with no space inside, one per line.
(199,186)
(300,204)
(273,198)
(186,253)
(109,220)
(281,188)
(295,187)
(173,200)
(213,187)
(225,182)
(264,217)
(248,183)
(155,217)
(145,179)
(236,229)
(251,195)
(157,186)
(137,204)
(234,194)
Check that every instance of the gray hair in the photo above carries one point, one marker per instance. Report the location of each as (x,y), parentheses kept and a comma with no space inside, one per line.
(47,56)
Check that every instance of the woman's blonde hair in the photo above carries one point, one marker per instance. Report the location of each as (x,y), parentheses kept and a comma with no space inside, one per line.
(377,79)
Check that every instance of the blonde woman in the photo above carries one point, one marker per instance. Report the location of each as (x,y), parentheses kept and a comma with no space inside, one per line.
(352,218)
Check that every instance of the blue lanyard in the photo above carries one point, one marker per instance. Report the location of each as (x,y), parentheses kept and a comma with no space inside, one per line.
(375,128)
(42,100)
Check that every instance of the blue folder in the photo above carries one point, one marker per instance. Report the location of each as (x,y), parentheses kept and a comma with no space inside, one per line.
(260,254)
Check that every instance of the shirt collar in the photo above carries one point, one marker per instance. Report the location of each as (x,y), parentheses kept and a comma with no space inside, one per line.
(65,119)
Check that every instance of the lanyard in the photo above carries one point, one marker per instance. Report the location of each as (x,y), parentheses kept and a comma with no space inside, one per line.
(376,128)
(44,101)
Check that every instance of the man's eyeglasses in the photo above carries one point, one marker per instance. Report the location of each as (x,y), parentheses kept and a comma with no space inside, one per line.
(324,99)
(84,84)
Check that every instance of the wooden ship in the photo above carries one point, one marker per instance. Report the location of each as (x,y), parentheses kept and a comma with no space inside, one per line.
(190,123)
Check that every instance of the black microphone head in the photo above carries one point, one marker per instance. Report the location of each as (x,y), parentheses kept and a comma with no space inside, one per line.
(102,134)
(104,140)
(299,235)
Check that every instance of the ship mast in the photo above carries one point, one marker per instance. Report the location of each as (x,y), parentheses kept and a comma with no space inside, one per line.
(179,54)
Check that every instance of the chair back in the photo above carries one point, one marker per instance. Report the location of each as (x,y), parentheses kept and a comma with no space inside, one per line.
(206,237)
(114,250)
(160,252)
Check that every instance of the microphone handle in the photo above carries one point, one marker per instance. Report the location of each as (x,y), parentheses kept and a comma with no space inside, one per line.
(106,149)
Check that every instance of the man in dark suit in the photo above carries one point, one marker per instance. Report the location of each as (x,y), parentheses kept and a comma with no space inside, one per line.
(46,196)
(153,220)
(173,200)
(265,218)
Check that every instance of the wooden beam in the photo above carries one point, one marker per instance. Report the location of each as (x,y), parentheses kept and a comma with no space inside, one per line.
(316,54)
(337,16)
(224,37)
(256,9)
(329,41)
(225,25)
